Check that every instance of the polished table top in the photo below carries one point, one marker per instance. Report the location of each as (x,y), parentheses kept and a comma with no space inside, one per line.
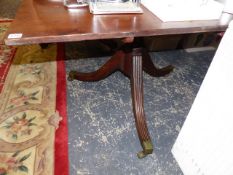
(46,21)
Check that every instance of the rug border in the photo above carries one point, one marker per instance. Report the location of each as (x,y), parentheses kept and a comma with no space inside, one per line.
(61,157)
(6,20)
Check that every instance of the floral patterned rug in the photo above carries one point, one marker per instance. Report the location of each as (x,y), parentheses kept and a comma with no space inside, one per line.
(28,116)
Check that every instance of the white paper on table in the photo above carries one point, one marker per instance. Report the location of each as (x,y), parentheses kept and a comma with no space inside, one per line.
(184,10)
(205,143)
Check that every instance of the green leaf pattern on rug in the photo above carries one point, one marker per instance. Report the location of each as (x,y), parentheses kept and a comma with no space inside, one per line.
(5,52)
(3,29)
(12,164)
(31,69)
(20,126)
(23,98)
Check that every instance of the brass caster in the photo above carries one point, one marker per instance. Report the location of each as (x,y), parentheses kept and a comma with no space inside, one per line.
(71,76)
(170,68)
(147,149)
(141,154)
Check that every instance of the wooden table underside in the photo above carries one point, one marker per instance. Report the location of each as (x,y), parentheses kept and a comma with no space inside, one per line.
(47,21)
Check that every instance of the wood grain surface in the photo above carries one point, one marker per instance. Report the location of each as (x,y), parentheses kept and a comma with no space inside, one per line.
(47,21)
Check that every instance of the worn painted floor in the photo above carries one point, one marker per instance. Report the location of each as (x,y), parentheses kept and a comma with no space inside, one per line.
(102,135)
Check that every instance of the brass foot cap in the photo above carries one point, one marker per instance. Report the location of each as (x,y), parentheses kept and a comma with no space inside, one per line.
(141,154)
(71,76)
(147,149)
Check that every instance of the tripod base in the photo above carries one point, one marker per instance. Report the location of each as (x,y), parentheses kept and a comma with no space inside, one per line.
(131,63)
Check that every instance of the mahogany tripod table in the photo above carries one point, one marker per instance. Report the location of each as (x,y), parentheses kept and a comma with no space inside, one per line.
(48,21)
(131,62)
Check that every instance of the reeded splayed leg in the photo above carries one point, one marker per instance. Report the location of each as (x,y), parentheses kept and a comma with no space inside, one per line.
(151,69)
(136,79)
(107,69)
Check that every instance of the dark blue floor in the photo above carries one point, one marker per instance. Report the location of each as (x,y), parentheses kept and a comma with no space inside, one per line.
(102,134)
